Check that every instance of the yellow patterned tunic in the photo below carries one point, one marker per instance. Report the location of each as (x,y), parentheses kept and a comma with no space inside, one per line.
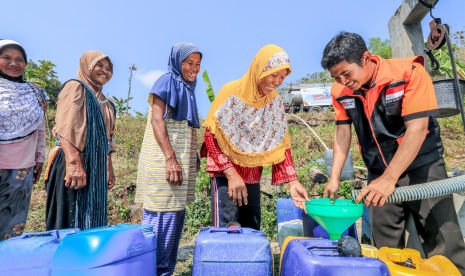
(153,191)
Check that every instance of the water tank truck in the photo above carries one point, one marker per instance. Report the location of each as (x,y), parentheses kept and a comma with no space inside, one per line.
(312,97)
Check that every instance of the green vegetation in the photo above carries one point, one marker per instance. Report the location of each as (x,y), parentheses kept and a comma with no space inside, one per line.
(129,132)
(380,48)
(306,148)
(209,90)
(120,108)
(345,190)
(44,75)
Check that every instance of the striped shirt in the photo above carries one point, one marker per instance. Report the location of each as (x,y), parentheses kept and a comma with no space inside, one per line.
(217,162)
(157,194)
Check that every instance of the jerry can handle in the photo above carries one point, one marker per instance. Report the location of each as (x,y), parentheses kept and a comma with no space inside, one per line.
(54,233)
(259,232)
(228,230)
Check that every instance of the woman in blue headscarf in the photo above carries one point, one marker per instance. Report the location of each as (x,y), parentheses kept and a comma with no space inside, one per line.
(168,161)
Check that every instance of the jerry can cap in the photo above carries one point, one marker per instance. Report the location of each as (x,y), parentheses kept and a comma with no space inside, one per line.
(396,255)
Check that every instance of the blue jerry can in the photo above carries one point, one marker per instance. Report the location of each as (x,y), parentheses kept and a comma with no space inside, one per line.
(219,251)
(318,257)
(116,250)
(286,211)
(31,253)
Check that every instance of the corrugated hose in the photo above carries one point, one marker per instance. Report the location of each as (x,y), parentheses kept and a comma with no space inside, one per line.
(423,191)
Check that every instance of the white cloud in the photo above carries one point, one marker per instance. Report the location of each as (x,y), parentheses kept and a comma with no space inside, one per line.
(149,78)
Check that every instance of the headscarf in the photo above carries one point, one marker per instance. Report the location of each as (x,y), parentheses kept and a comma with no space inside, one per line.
(8,42)
(174,90)
(251,128)
(86,64)
(22,104)
(71,121)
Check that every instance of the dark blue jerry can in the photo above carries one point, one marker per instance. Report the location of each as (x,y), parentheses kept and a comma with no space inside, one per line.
(219,251)
(31,253)
(116,250)
(318,257)
(286,211)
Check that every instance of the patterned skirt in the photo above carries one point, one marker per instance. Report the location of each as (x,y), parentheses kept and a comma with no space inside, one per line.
(15,197)
(153,191)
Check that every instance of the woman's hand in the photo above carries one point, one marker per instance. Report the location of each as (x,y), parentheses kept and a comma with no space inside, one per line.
(173,171)
(236,185)
(298,194)
(111,174)
(38,171)
(76,176)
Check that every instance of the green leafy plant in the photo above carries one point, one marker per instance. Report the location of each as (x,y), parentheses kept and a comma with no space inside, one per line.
(120,108)
(210,93)
(124,211)
(268,210)
(198,213)
(445,64)
(139,115)
(41,74)
(345,190)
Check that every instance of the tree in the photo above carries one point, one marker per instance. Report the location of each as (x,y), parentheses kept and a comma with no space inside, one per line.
(44,75)
(317,77)
(380,48)
(459,39)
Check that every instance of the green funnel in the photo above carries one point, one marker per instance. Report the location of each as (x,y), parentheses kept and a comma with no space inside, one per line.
(334,217)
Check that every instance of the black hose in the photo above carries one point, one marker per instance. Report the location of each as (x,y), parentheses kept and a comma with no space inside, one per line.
(434,61)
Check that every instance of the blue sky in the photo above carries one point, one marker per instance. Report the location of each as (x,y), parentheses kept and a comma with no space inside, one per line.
(229,33)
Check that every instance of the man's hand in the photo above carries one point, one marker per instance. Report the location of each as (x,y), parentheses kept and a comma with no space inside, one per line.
(331,189)
(298,194)
(173,171)
(76,176)
(38,171)
(236,185)
(378,191)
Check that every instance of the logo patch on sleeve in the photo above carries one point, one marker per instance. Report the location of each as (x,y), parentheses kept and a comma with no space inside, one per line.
(348,104)
(394,94)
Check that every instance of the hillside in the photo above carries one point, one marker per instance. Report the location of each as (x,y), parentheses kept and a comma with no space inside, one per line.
(305,149)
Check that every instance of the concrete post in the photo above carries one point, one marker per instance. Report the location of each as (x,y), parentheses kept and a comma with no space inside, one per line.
(405,29)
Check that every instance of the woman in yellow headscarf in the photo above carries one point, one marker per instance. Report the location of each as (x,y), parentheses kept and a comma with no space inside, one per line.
(246,129)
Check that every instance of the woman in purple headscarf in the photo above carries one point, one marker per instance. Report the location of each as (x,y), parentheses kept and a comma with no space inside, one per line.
(168,161)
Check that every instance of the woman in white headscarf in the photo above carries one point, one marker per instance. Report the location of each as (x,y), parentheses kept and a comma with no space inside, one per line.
(22,138)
